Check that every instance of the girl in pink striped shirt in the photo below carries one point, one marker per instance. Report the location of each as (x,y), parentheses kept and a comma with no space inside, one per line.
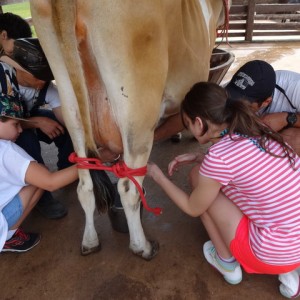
(246,192)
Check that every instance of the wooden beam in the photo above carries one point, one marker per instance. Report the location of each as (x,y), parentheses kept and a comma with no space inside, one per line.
(277,8)
(250,20)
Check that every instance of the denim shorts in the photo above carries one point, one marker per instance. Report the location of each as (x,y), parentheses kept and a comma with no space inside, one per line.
(13,211)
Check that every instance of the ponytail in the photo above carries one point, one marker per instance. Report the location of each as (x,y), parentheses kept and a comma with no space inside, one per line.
(210,102)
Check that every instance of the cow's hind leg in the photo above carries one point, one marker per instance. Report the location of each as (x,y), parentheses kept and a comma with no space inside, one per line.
(130,201)
(90,241)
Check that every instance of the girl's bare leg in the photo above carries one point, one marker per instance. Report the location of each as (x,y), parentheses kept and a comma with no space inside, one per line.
(220,220)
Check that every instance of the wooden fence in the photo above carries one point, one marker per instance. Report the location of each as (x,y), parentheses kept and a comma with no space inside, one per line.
(264,18)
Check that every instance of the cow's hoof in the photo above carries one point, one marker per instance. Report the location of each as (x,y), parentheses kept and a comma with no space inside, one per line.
(154,250)
(86,251)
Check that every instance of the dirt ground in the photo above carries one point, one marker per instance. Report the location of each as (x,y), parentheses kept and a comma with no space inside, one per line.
(55,268)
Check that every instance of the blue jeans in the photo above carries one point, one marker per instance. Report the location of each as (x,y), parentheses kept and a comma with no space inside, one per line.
(30,139)
(13,211)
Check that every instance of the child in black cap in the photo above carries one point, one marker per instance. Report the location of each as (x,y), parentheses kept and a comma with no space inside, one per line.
(22,179)
(274,95)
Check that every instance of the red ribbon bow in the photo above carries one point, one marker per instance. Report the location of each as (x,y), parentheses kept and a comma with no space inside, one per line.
(120,169)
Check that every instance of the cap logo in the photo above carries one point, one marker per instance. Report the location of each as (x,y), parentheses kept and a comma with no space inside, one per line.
(244,81)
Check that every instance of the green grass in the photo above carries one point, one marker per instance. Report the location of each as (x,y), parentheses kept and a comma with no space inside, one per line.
(21,9)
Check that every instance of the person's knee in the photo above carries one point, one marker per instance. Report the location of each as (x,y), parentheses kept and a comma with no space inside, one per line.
(292,137)
(29,196)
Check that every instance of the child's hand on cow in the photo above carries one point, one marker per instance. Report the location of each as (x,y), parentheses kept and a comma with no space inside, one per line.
(184,159)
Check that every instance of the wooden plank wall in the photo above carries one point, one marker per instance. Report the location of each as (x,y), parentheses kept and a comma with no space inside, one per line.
(253,18)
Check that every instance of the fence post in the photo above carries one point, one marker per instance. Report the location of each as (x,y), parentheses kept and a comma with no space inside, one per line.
(250,20)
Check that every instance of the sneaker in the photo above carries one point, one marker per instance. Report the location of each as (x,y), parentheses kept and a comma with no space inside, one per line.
(21,241)
(233,274)
(290,284)
(51,208)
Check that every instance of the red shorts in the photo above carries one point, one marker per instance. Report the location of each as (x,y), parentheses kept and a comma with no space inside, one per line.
(241,250)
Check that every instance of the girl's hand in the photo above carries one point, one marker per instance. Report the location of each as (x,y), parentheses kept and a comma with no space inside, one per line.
(184,159)
(154,171)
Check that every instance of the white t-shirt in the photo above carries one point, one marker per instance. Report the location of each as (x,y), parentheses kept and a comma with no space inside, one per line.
(14,162)
(290,82)
(29,95)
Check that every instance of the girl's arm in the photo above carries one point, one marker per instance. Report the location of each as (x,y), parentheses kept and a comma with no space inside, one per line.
(278,121)
(39,176)
(198,202)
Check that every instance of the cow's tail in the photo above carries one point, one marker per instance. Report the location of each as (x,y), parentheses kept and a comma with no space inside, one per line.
(103,190)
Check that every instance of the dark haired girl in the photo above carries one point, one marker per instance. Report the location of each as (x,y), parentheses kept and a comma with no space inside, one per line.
(246,191)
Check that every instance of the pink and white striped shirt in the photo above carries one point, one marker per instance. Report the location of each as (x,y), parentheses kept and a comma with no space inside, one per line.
(266,189)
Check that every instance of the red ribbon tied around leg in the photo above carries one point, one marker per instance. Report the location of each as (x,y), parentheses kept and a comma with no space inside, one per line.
(120,169)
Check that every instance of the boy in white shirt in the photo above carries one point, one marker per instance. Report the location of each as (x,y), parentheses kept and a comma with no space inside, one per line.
(22,179)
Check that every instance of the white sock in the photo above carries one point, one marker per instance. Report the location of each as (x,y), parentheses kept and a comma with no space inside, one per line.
(10,233)
(229,260)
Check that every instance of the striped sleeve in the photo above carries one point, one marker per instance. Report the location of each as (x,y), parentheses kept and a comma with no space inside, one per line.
(213,166)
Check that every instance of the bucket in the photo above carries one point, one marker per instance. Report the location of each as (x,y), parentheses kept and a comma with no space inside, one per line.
(220,62)
(117,215)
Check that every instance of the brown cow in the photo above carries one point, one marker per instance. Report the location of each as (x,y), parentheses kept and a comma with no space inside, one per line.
(120,66)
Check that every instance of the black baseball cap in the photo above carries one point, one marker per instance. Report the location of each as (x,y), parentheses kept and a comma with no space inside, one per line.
(29,56)
(255,81)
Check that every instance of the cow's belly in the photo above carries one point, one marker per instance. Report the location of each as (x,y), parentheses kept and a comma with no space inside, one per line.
(106,133)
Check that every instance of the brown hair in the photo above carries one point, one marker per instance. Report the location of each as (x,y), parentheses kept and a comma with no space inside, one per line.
(4,119)
(210,102)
